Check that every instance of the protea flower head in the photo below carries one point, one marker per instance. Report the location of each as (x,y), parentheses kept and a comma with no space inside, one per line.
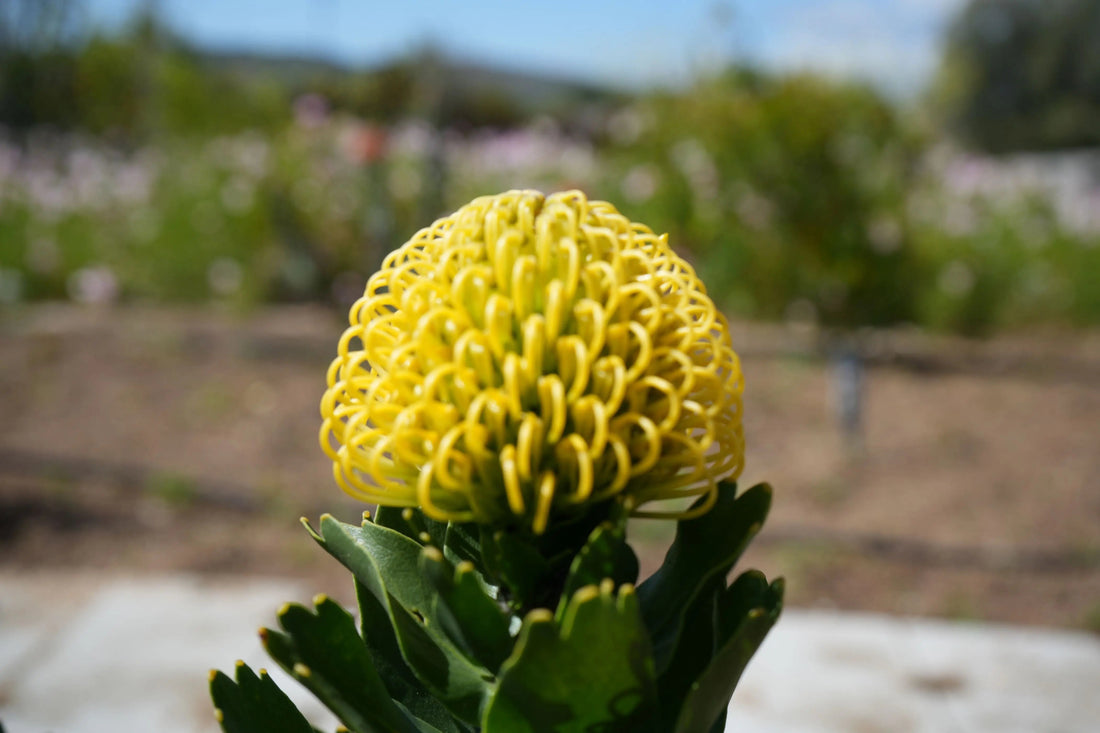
(528,356)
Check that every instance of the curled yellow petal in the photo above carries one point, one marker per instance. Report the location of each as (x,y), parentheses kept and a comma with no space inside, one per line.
(529,355)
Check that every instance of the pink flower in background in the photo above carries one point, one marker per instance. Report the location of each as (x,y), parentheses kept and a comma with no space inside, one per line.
(365,143)
(311,111)
(95,285)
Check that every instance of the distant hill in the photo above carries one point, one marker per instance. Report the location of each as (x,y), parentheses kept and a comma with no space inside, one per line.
(465,90)
(285,69)
(529,88)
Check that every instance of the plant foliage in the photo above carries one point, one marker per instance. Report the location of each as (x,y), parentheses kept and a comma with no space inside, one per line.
(465,629)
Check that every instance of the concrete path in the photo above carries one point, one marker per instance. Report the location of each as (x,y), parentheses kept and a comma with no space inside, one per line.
(85,655)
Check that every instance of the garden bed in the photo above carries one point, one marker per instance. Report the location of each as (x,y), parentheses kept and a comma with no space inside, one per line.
(152,440)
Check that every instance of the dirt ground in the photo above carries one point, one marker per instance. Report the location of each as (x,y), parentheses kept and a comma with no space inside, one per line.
(148,440)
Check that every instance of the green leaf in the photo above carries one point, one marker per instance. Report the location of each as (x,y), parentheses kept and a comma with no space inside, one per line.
(568,533)
(719,725)
(531,569)
(519,568)
(383,557)
(750,590)
(472,619)
(606,554)
(462,543)
(324,652)
(394,518)
(715,614)
(424,726)
(386,564)
(254,704)
(710,694)
(694,650)
(594,671)
(403,686)
(705,547)
(412,523)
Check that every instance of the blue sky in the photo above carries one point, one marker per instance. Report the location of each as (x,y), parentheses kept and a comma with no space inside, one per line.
(893,43)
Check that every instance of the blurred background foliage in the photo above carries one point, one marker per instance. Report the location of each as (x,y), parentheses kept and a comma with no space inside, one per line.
(1024,74)
(134,167)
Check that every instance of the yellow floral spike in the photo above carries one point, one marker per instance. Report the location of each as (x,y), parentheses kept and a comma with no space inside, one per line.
(529,355)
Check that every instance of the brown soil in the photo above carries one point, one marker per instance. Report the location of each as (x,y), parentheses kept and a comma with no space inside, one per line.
(153,440)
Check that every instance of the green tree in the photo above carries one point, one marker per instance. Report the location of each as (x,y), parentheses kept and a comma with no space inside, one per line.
(36,65)
(1023,74)
(788,190)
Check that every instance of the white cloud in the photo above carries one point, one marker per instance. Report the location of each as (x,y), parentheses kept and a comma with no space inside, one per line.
(895,45)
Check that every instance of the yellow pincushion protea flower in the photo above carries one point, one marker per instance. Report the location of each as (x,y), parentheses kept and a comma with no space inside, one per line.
(527,356)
